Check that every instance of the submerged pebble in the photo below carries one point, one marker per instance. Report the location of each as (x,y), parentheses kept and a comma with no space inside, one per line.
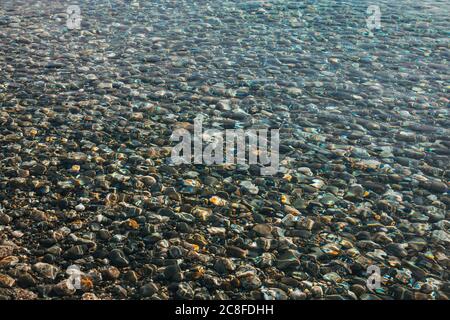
(86,176)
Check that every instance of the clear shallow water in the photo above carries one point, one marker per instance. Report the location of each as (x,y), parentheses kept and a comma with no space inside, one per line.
(86,115)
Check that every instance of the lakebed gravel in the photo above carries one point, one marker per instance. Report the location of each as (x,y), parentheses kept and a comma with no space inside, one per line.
(85,176)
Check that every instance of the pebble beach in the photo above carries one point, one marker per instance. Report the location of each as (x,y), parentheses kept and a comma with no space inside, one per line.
(86,177)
